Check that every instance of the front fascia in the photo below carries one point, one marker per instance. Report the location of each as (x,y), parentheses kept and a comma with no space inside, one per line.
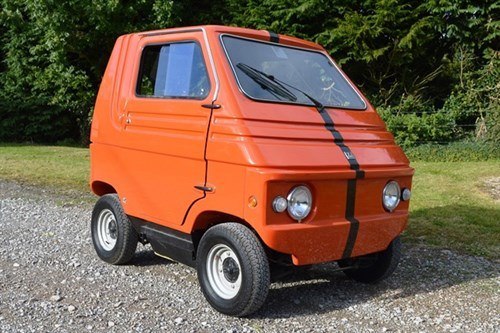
(323,235)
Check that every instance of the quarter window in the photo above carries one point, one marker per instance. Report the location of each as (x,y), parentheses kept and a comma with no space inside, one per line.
(173,71)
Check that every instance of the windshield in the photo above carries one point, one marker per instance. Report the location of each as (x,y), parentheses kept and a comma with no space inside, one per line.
(302,71)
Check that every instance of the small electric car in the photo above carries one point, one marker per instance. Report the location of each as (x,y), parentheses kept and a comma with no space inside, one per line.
(235,150)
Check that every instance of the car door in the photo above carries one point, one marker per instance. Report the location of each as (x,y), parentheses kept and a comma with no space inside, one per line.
(164,125)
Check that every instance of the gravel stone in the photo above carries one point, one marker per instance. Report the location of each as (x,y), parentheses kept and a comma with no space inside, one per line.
(55,298)
(47,234)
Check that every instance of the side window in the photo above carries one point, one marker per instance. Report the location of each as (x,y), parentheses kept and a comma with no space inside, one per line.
(173,70)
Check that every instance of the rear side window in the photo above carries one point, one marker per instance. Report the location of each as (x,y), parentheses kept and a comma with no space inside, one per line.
(174,71)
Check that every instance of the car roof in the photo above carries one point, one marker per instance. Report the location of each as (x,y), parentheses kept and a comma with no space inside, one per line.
(263,35)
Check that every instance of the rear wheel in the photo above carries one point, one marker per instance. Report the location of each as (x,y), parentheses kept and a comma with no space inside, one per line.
(233,269)
(375,267)
(113,235)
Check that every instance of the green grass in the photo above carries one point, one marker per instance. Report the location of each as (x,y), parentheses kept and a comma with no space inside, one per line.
(58,167)
(450,207)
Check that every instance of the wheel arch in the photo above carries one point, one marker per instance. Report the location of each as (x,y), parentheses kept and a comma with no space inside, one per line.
(101,188)
(207,219)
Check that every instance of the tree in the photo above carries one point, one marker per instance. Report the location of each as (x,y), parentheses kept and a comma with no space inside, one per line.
(55,55)
(406,55)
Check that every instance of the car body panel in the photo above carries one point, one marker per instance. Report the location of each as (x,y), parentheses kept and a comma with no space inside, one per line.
(154,151)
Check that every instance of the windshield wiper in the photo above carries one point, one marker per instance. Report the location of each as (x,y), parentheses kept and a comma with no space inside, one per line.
(261,75)
(267,82)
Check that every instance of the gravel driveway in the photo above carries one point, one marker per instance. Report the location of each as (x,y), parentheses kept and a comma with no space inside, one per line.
(52,281)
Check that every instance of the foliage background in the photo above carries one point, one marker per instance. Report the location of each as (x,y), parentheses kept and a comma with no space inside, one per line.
(431,67)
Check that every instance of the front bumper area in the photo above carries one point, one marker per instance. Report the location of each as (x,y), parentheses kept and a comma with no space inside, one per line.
(325,241)
(341,224)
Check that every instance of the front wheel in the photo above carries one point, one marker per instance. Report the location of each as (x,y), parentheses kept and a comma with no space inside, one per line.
(233,269)
(376,267)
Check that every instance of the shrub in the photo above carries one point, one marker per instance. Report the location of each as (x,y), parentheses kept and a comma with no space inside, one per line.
(413,122)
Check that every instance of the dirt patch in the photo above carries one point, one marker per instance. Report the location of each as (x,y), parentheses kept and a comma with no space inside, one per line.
(492,186)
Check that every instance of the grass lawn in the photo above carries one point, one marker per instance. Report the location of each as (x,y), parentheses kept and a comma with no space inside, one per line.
(59,167)
(450,205)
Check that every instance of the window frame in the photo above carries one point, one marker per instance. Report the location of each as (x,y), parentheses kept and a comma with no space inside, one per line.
(263,100)
(140,72)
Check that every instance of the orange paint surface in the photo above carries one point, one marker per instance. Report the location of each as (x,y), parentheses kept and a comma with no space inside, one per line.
(154,151)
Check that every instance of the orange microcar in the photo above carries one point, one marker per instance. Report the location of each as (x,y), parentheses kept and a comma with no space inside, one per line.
(237,151)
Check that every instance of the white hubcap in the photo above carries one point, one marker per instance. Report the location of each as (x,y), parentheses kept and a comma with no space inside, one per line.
(107,229)
(224,271)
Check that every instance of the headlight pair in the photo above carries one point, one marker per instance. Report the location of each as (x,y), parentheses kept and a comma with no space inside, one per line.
(298,203)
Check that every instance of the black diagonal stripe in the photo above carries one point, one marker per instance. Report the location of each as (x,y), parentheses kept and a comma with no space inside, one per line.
(351,183)
(274,37)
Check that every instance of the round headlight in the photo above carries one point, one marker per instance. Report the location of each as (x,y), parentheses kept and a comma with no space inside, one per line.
(391,195)
(279,204)
(299,202)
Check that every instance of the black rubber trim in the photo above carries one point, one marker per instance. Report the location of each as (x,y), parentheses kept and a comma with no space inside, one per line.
(169,32)
(274,37)
(167,242)
(351,183)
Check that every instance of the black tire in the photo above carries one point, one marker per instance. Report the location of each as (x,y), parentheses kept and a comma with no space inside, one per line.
(116,243)
(247,262)
(375,267)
